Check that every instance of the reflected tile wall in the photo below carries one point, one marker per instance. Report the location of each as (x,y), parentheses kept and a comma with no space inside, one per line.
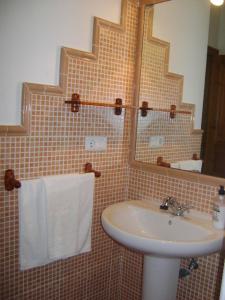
(161,89)
(179,144)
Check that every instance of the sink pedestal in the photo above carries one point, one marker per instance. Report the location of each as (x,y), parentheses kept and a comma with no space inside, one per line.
(160,278)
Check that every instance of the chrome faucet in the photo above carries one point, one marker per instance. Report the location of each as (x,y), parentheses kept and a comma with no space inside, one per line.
(177,209)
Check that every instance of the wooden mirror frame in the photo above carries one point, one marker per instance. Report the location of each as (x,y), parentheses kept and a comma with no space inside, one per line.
(185,175)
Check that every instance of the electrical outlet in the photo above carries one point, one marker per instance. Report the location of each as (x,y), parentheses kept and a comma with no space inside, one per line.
(156,141)
(95,143)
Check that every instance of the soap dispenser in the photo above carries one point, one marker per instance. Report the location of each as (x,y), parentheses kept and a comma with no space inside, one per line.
(219,209)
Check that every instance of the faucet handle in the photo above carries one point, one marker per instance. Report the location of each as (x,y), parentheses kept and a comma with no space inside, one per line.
(164,207)
(166,202)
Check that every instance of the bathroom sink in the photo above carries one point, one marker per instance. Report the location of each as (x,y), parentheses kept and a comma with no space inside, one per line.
(144,227)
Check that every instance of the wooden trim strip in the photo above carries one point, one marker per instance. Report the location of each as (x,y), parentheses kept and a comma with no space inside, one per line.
(179,174)
(103,104)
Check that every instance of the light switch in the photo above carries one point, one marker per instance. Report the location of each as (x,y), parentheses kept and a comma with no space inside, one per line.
(156,141)
(95,143)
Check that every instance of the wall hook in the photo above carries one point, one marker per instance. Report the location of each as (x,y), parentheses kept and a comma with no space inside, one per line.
(173,109)
(88,169)
(144,109)
(10,181)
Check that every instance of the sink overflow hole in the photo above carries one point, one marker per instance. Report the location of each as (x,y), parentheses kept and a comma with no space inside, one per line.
(170,222)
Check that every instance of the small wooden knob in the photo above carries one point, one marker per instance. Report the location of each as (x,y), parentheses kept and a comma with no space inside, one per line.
(10,181)
(88,169)
(118,110)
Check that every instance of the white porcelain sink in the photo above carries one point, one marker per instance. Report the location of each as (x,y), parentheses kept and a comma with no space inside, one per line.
(163,238)
(143,227)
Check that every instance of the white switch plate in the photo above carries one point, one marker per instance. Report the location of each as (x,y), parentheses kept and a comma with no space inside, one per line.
(156,141)
(95,143)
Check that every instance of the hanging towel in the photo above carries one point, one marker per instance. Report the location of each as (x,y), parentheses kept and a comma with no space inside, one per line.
(175,165)
(32,225)
(69,202)
(191,165)
(188,165)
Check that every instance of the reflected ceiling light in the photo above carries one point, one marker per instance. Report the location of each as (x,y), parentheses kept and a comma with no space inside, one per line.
(217,2)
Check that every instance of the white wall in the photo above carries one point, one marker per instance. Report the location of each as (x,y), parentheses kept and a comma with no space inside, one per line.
(217,28)
(185,23)
(221,37)
(31,35)
(214,26)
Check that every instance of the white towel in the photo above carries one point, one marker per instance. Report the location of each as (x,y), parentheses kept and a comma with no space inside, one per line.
(69,200)
(32,225)
(188,165)
(175,165)
(191,165)
(58,226)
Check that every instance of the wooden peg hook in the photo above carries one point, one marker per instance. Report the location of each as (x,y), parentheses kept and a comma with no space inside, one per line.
(88,169)
(10,181)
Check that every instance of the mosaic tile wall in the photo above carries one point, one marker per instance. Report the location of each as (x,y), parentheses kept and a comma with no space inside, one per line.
(162,89)
(180,144)
(56,146)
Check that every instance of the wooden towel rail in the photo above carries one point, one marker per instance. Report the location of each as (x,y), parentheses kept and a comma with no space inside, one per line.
(75,103)
(173,110)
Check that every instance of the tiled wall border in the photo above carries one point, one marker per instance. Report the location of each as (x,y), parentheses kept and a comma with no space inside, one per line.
(60,90)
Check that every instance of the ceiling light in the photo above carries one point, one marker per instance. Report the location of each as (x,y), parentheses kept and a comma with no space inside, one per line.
(217,2)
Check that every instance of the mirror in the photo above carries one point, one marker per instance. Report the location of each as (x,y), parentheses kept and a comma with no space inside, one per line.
(165,134)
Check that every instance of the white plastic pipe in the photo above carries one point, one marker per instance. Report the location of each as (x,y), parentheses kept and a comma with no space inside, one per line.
(222,290)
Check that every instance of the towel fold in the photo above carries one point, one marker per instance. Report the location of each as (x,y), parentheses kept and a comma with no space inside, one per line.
(32,225)
(55,216)
(69,200)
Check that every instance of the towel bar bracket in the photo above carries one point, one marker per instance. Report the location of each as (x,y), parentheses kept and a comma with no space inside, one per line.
(76,103)
(10,181)
(88,169)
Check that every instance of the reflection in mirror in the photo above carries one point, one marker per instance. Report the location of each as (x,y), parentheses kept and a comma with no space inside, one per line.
(167,137)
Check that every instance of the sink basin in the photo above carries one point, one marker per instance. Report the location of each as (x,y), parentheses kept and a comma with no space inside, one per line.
(163,239)
(144,227)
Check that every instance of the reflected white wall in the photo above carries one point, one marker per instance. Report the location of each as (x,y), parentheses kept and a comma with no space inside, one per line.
(185,24)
